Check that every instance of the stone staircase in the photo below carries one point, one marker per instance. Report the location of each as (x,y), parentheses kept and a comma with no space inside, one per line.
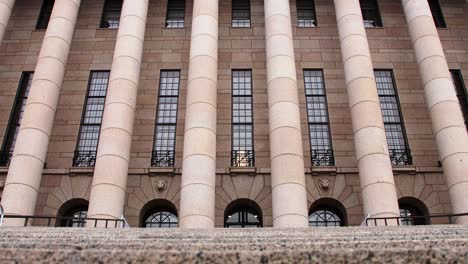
(420,244)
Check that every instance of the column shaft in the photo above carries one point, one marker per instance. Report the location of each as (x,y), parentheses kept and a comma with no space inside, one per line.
(286,150)
(107,197)
(6,6)
(197,195)
(447,119)
(375,169)
(25,172)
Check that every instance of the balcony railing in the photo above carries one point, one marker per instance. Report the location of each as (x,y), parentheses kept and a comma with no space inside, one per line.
(84,159)
(5,158)
(411,220)
(322,157)
(162,158)
(242,158)
(401,157)
(53,221)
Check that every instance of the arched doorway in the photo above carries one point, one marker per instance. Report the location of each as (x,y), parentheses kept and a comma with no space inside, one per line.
(159,213)
(327,212)
(413,211)
(73,213)
(243,213)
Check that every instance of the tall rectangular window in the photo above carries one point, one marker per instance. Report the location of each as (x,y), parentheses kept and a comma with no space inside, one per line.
(175,16)
(111,14)
(462,94)
(44,14)
(242,154)
(371,13)
(321,150)
(437,14)
(398,147)
(88,138)
(166,119)
(16,116)
(306,16)
(240,13)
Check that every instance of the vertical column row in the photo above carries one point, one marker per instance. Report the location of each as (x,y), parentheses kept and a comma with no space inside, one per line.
(25,172)
(286,150)
(107,195)
(375,169)
(6,6)
(197,195)
(447,119)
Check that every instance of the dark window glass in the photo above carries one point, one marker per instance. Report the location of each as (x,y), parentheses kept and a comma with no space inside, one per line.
(111,14)
(15,118)
(396,135)
(462,94)
(306,16)
(45,13)
(242,119)
(371,13)
(324,218)
(175,16)
(243,217)
(75,218)
(240,13)
(321,150)
(161,219)
(86,148)
(166,119)
(437,14)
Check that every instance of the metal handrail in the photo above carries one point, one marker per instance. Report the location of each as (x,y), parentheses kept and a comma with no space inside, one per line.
(115,222)
(400,219)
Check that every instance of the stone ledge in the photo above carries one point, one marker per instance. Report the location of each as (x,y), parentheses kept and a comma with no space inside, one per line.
(236,171)
(80,171)
(158,171)
(404,169)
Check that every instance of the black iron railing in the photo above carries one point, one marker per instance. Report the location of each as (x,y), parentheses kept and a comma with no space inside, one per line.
(162,158)
(61,221)
(242,158)
(401,157)
(84,159)
(5,158)
(323,157)
(410,220)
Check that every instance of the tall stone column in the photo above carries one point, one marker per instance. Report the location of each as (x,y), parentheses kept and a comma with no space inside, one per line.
(375,168)
(286,150)
(6,6)
(107,195)
(447,120)
(197,195)
(25,172)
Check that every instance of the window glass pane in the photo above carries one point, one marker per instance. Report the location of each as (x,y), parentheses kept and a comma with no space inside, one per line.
(111,14)
(88,138)
(240,13)
(317,114)
(324,218)
(371,13)
(175,17)
(45,13)
(462,93)
(437,14)
(161,219)
(306,13)
(166,120)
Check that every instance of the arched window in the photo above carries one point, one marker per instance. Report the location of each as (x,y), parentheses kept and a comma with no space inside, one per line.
(73,213)
(413,211)
(159,213)
(243,213)
(327,212)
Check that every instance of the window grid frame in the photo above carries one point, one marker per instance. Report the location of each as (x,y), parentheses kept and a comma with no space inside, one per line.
(406,157)
(461,91)
(167,157)
(327,157)
(172,9)
(437,14)
(302,20)
(109,12)
(45,14)
(16,115)
(87,158)
(371,8)
(242,155)
(241,14)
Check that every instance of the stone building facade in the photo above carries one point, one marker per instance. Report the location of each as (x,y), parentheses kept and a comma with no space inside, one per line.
(280,177)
